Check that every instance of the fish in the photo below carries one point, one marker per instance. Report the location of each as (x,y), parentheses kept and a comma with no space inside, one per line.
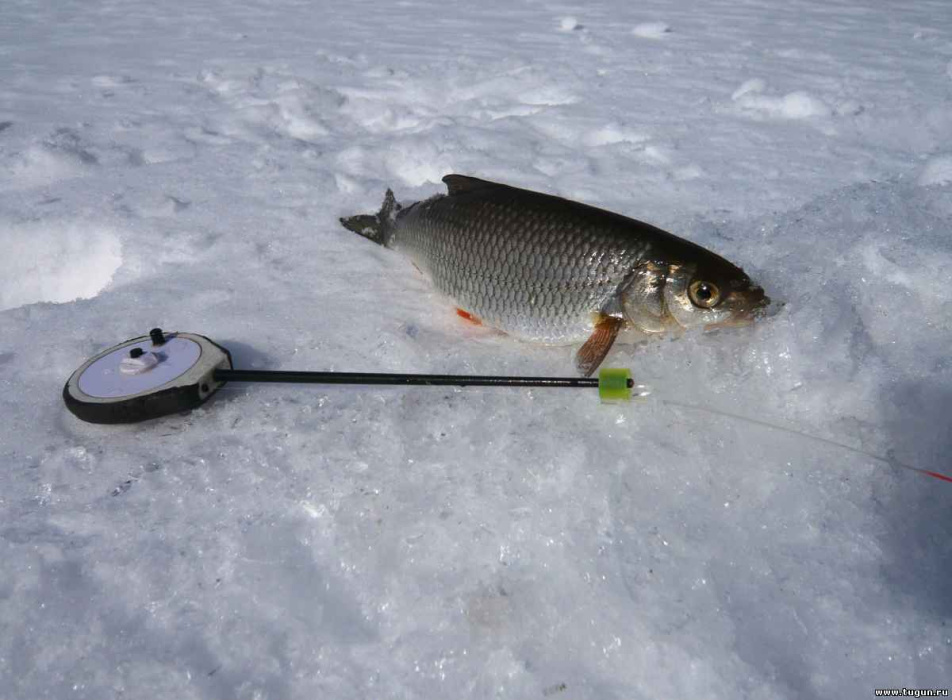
(550,270)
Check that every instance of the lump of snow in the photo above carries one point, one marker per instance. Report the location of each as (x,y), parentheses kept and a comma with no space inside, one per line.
(656,155)
(849,108)
(38,165)
(795,105)
(753,85)
(651,30)
(417,162)
(55,263)
(569,24)
(612,134)
(689,172)
(938,171)
(800,105)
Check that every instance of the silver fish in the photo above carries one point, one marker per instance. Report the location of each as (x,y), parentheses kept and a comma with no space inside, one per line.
(546,269)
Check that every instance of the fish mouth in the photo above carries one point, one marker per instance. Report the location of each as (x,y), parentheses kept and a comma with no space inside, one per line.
(745,307)
(756,301)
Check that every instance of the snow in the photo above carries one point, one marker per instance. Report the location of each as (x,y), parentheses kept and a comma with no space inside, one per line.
(184,164)
(937,171)
(795,105)
(56,261)
(569,24)
(651,30)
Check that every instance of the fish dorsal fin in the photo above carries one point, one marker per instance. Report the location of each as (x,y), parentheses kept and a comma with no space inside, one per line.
(458,184)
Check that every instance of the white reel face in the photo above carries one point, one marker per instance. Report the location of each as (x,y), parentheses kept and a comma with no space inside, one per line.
(146,377)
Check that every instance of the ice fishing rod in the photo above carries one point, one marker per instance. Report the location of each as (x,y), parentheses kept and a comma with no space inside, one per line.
(163,373)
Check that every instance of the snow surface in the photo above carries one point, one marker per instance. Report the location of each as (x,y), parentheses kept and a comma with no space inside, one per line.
(651,30)
(183,164)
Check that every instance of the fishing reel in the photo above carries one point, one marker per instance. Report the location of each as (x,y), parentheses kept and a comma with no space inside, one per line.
(162,373)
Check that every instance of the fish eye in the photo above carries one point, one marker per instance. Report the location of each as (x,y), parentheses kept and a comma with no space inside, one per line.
(704,294)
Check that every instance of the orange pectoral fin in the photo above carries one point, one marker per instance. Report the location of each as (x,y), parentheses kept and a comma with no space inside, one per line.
(468,316)
(590,355)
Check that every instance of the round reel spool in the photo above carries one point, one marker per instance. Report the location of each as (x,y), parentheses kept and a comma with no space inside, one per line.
(146,377)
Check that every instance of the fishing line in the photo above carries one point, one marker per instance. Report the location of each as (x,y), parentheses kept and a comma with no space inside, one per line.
(808,436)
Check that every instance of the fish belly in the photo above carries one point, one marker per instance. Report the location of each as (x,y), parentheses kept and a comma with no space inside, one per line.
(537,273)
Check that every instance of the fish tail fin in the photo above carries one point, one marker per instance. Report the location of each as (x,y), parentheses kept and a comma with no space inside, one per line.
(377,226)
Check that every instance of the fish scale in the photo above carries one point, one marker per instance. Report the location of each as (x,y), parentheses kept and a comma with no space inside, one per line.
(521,269)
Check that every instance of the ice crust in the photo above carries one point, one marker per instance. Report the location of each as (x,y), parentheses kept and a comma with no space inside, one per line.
(184,164)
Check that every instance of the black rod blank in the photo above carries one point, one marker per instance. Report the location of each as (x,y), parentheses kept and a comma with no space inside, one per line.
(252,375)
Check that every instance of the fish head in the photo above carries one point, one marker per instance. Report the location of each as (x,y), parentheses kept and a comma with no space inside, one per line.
(711,293)
(707,292)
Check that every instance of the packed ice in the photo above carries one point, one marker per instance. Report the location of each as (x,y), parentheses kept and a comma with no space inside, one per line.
(184,164)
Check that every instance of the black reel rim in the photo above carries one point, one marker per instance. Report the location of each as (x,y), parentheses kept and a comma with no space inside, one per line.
(175,396)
